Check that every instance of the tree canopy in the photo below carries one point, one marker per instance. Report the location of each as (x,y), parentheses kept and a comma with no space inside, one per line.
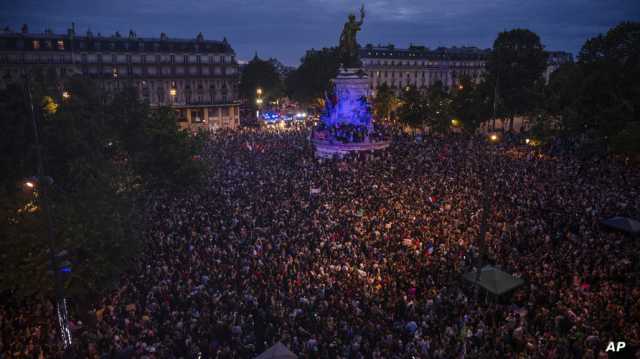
(102,152)
(312,78)
(599,96)
(516,64)
(385,103)
(260,74)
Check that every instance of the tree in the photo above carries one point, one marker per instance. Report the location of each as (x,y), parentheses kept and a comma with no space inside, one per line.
(312,78)
(438,108)
(610,92)
(413,110)
(260,74)
(168,155)
(470,104)
(516,63)
(94,227)
(101,152)
(599,96)
(384,102)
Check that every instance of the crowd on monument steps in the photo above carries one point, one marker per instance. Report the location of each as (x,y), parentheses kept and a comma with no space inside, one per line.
(363,257)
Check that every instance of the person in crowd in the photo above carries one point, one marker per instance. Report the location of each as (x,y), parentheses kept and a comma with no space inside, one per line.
(370,263)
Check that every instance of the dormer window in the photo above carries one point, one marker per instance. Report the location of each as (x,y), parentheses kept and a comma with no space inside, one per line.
(36,44)
(60,44)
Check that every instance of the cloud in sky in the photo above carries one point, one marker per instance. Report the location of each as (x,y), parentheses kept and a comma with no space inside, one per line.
(286,28)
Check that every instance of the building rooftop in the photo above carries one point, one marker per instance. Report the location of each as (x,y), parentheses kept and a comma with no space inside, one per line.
(10,40)
(423,52)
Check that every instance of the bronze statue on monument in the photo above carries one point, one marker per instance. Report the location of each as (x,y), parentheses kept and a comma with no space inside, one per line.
(348,45)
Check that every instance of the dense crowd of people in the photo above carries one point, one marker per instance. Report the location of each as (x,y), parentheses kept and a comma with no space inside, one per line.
(363,257)
(349,133)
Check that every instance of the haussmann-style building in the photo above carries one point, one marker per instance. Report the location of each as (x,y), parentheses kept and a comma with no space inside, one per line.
(422,67)
(197,77)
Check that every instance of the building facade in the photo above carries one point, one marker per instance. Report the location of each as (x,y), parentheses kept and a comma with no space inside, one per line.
(421,67)
(197,77)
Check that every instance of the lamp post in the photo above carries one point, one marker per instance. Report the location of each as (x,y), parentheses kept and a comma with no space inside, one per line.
(259,102)
(486,207)
(43,183)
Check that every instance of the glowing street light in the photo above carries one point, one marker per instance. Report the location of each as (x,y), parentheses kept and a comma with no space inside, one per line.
(527,141)
(460,87)
(66,94)
(259,101)
(259,91)
(493,137)
(172,92)
(33,182)
(455,122)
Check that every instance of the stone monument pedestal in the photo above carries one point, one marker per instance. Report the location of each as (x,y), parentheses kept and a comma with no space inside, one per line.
(347,125)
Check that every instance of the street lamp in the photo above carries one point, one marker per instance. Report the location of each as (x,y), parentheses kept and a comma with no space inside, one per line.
(486,206)
(258,102)
(66,95)
(173,93)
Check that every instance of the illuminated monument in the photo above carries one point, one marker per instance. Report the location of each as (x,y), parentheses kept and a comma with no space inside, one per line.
(346,124)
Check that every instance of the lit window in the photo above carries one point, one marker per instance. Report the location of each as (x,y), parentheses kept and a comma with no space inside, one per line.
(60,44)
(36,44)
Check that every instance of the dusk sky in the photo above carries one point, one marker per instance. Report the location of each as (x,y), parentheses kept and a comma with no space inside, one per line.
(286,28)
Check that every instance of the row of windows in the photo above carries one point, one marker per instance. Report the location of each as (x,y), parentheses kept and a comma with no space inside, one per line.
(158,59)
(187,84)
(47,44)
(162,96)
(416,74)
(425,63)
(62,44)
(155,46)
(130,70)
(412,54)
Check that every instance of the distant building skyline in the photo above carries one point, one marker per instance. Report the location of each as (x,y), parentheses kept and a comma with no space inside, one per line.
(285,29)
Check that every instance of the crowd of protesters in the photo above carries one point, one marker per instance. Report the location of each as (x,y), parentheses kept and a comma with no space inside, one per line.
(363,257)
(349,133)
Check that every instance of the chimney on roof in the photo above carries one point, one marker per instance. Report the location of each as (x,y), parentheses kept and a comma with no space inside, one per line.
(72,31)
(117,34)
(200,37)
(24,29)
(132,35)
(163,36)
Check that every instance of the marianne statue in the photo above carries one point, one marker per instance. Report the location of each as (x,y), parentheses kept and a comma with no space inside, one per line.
(348,44)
